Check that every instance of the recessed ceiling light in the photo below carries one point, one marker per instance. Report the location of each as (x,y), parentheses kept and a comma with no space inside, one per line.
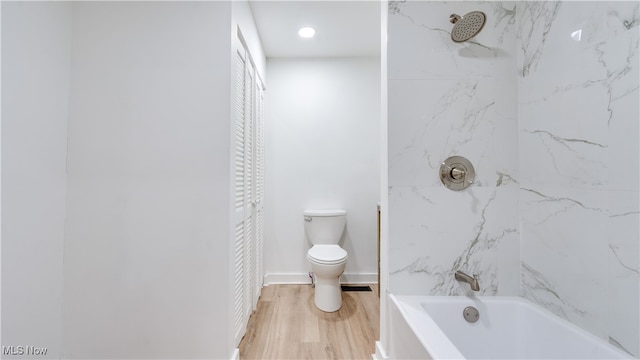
(307,32)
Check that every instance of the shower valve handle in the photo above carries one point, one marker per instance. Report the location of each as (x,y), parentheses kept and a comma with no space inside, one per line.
(458,173)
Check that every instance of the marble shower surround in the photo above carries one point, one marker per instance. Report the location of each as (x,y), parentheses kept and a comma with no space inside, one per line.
(579,215)
(544,102)
(446,99)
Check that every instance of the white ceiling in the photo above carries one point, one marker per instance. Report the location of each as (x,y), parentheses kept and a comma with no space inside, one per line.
(344,28)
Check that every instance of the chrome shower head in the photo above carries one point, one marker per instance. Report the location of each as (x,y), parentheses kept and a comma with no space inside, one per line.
(468,26)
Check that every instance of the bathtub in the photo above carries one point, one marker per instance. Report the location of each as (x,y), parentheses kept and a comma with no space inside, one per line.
(433,327)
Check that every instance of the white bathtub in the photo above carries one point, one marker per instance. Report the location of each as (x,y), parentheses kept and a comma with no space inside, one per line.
(509,328)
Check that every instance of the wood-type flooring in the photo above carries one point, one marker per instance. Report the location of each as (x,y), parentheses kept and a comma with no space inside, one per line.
(287,325)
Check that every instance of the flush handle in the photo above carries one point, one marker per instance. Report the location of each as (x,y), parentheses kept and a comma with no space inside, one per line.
(308,218)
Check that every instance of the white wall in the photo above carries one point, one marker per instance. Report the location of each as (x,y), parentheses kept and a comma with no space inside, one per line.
(35,89)
(385,331)
(142,93)
(323,148)
(146,252)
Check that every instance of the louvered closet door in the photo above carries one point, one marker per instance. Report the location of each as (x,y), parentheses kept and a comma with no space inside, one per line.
(241,201)
(250,253)
(259,190)
(249,191)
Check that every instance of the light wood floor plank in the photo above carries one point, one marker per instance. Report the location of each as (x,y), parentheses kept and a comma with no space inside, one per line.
(287,325)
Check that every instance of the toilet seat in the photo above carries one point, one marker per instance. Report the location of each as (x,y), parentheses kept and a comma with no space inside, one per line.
(327,254)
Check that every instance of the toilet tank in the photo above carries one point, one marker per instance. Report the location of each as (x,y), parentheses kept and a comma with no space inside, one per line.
(324,227)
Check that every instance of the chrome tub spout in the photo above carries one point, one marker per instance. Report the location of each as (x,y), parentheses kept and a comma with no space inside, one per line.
(473,281)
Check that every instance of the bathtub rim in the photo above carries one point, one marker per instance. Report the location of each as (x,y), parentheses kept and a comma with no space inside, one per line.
(409,305)
(424,329)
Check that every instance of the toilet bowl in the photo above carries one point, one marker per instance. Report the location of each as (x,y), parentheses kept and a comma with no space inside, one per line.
(327,264)
(326,258)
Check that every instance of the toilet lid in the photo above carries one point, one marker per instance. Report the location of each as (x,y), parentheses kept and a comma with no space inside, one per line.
(327,254)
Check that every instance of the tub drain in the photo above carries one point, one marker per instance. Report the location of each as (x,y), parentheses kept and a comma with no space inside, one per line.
(471,314)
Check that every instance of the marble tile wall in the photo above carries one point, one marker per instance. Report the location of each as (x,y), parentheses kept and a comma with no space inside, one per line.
(544,102)
(452,99)
(578,115)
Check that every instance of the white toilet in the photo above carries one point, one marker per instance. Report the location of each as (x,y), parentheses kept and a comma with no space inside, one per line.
(327,259)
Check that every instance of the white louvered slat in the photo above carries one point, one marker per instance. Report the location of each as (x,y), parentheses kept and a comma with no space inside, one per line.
(249,134)
(249,269)
(259,252)
(239,289)
(239,286)
(249,183)
(240,133)
(260,147)
(259,215)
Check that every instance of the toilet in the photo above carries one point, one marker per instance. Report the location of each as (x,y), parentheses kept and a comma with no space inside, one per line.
(327,259)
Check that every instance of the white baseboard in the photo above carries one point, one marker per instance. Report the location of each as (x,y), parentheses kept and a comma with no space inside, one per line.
(380,353)
(303,278)
(288,278)
(359,278)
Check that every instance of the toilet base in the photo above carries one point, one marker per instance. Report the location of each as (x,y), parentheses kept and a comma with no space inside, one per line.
(328,294)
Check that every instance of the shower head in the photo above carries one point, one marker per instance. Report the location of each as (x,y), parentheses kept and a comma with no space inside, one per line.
(468,26)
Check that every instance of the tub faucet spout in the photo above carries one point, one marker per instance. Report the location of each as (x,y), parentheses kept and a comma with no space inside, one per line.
(473,281)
